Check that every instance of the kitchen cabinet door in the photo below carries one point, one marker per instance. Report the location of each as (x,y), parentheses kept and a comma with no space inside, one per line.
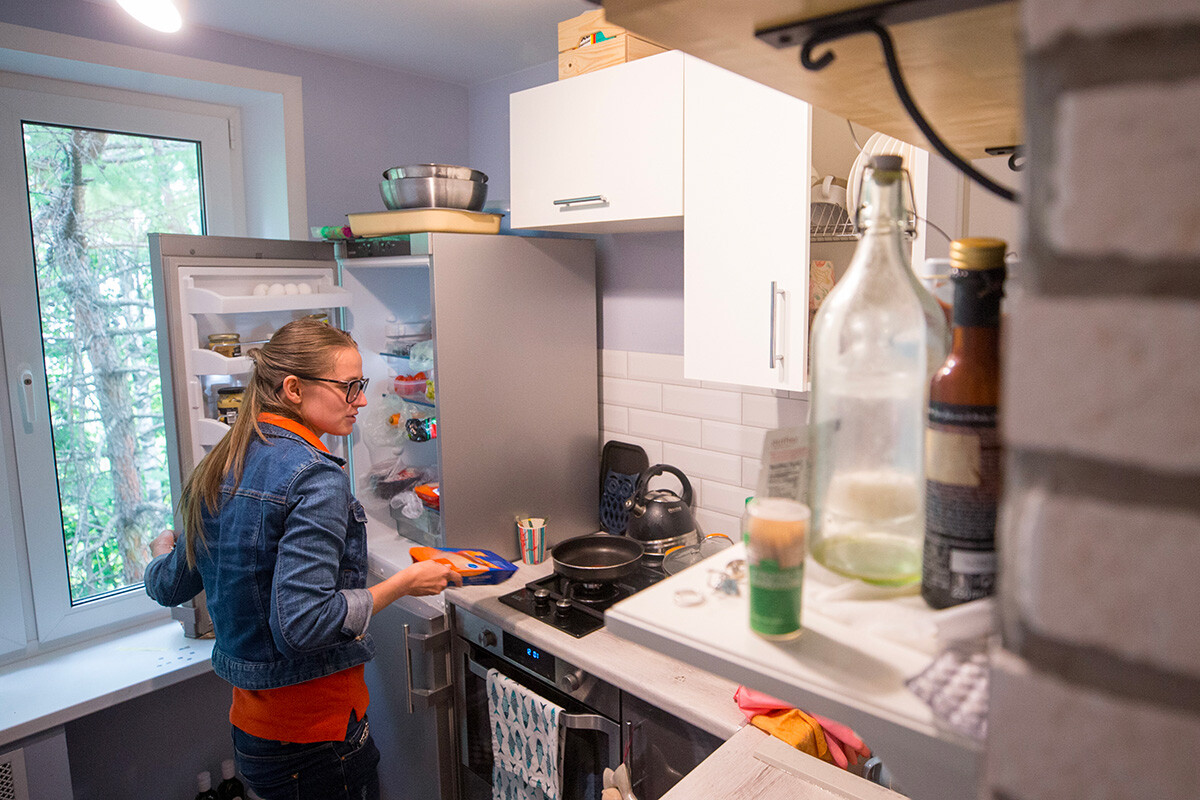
(683,143)
(615,135)
(746,235)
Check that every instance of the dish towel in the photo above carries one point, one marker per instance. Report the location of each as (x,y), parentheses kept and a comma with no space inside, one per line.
(526,735)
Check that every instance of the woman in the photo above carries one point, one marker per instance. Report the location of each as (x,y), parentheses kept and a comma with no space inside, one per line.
(275,538)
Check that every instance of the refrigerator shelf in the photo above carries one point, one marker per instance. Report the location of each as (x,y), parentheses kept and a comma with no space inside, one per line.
(210,431)
(204,301)
(208,362)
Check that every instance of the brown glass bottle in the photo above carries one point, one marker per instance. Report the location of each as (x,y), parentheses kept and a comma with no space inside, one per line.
(962,447)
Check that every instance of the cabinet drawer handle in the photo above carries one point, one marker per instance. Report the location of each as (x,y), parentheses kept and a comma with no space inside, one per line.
(776,294)
(570,201)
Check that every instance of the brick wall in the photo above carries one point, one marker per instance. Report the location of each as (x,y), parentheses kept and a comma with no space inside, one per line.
(1096,690)
(713,432)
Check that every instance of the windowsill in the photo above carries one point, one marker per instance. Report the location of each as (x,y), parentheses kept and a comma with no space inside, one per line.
(54,688)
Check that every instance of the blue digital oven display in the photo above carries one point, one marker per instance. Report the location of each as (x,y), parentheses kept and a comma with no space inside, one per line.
(528,656)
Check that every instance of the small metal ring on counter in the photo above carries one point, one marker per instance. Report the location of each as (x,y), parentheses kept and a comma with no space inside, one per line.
(688,597)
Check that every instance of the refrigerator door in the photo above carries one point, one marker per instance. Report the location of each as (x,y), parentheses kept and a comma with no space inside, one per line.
(515,376)
(214,285)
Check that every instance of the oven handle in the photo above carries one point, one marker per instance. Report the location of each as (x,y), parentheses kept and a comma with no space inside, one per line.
(587,722)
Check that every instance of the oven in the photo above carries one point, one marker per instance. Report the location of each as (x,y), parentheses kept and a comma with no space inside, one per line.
(603,725)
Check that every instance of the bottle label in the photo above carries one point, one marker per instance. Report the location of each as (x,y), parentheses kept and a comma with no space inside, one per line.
(952,572)
(775,598)
(962,492)
(962,471)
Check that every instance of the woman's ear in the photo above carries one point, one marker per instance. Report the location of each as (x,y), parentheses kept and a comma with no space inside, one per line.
(290,391)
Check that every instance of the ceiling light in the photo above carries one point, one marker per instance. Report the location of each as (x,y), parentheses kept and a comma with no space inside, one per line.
(161,15)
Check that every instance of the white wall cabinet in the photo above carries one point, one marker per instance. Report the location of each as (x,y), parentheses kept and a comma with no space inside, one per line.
(669,142)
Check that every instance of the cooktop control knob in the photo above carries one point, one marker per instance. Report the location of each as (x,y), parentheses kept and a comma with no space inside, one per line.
(571,681)
(562,607)
(487,638)
(541,599)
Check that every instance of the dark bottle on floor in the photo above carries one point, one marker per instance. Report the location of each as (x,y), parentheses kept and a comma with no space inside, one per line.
(962,446)
(230,788)
(204,787)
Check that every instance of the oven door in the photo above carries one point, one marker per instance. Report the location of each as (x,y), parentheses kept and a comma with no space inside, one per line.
(591,743)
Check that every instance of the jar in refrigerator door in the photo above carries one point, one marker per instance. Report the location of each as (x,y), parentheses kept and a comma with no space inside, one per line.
(227,344)
(229,402)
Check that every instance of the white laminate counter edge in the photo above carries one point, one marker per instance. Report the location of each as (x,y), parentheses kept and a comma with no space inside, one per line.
(50,689)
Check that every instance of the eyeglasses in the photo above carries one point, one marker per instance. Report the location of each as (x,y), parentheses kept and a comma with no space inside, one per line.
(353,388)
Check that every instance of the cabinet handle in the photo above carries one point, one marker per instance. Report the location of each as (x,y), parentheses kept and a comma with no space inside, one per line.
(569,201)
(776,293)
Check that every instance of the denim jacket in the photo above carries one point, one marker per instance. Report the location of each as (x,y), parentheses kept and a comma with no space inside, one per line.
(284,570)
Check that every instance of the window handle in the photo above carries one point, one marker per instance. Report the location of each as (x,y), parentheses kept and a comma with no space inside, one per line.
(26,395)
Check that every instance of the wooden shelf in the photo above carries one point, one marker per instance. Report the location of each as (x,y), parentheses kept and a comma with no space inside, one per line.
(963,69)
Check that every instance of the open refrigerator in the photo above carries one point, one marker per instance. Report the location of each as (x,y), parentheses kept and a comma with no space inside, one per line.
(493,337)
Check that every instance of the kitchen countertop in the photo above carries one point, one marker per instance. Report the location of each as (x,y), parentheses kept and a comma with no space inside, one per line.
(691,694)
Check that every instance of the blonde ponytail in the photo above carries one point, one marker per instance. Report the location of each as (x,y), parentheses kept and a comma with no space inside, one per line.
(302,347)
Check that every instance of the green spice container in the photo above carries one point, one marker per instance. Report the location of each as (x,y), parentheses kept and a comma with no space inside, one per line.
(778,528)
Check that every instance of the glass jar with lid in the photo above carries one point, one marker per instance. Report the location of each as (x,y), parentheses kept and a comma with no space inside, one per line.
(227,344)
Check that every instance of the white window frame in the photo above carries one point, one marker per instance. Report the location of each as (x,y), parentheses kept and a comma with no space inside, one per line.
(271,107)
(56,102)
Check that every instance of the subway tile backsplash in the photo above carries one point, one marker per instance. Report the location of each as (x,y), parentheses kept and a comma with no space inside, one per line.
(712,432)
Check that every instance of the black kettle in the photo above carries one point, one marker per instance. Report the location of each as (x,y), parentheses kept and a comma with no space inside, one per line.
(659,518)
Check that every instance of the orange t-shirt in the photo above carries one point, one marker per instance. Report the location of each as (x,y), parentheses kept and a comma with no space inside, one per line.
(314,711)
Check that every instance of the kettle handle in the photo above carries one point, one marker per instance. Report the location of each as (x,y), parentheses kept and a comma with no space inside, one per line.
(659,469)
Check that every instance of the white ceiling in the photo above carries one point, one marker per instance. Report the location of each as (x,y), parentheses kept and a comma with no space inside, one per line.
(463,41)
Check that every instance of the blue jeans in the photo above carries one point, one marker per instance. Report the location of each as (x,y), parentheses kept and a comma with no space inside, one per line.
(315,771)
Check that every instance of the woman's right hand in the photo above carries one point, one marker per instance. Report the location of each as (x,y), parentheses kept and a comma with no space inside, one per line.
(163,543)
(429,577)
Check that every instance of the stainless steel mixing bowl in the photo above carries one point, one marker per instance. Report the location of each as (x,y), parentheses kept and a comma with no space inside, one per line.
(435,171)
(433,192)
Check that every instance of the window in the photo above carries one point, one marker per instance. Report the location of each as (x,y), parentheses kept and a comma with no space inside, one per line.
(82,181)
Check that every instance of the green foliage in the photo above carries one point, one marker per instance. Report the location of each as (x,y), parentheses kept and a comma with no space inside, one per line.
(93,197)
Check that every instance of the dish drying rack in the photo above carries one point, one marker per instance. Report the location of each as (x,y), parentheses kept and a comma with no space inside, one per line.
(831,223)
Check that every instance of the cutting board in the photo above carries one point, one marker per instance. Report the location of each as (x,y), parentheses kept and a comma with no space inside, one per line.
(423,220)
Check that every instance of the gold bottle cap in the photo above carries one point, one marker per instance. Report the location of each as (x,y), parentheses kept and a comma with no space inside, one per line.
(977,252)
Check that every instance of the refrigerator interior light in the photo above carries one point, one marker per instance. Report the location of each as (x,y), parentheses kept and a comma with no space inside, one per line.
(161,15)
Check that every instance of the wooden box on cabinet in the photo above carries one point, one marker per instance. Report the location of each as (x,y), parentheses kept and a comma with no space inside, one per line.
(580,52)
(619,49)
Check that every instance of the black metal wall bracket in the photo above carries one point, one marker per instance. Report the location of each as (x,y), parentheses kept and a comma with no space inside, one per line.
(813,33)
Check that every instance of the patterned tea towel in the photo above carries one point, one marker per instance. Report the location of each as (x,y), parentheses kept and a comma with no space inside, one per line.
(526,732)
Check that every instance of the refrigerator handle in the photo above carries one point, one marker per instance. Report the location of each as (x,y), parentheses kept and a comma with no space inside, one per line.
(26,398)
(433,643)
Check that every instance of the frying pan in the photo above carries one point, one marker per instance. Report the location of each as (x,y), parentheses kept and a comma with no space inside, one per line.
(597,557)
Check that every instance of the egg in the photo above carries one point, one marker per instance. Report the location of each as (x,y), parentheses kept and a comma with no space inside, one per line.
(304,288)
(260,290)
(275,288)
(291,288)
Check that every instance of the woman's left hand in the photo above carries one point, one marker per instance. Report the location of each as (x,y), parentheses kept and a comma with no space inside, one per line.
(430,577)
